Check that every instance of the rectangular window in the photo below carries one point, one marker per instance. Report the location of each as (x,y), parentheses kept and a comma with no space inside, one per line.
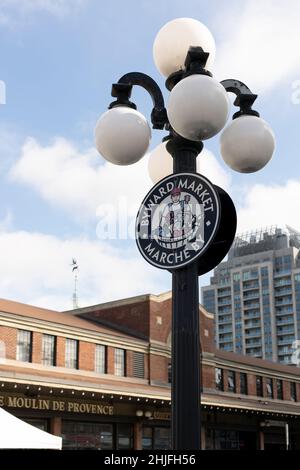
(71,353)
(169,373)
(48,350)
(138,365)
(124,436)
(269,386)
(259,386)
(24,346)
(279,390)
(231,381)
(100,359)
(120,362)
(243,384)
(293,392)
(219,379)
(264,271)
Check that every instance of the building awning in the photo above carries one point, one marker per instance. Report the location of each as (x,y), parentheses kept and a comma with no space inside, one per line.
(16,434)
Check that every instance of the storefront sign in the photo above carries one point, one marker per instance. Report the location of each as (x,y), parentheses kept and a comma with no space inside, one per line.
(55,405)
(161,415)
(177,220)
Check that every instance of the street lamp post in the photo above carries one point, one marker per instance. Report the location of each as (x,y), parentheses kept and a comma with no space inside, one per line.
(186,224)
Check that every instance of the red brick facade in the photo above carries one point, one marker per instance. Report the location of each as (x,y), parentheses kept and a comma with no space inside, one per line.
(140,325)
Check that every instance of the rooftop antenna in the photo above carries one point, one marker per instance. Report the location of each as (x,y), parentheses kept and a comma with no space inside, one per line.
(75,273)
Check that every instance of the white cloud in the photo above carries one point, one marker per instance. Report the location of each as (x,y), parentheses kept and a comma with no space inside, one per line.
(80,182)
(208,165)
(258,43)
(266,205)
(35,268)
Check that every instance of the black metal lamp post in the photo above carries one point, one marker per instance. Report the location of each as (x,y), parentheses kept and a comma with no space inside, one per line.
(186,224)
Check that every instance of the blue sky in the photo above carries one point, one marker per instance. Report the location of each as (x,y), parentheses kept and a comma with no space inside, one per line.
(58,60)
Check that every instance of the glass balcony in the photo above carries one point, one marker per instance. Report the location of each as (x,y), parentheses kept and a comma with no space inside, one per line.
(225,330)
(253,344)
(225,320)
(252,324)
(251,295)
(282,282)
(252,315)
(251,305)
(285,332)
(279,292)
(223,293)
(285,321)
(253,285)
(286,340)
(286,301)
(253,333)
(224,301)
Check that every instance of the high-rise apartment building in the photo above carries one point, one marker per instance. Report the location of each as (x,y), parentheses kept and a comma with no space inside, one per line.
(255,295)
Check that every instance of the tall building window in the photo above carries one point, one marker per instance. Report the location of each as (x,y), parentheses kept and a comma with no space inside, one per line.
(138,365)
(264,271)
(71,353)
(243,384)
(269,386)
(100,359)
(219,379)
(24,346)
(120,362)
(48,350)
(231,381)
(259,386)
(293,391)
(279,390)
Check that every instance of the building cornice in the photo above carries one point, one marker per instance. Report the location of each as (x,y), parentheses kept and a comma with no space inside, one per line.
(74,332)
(216,361)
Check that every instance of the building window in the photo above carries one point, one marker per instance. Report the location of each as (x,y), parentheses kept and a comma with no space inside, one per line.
(269,386)
(100,359)
(231,381)
(71,353)
(259,386)
(124,436)
(48,350)
(138,365)
(169,373)
(279,390)
(24,346)
(81,435)
(293,392)
(219,379)
(243,384)
(120,362)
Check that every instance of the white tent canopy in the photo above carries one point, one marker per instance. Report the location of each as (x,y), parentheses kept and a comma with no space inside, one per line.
(16,434)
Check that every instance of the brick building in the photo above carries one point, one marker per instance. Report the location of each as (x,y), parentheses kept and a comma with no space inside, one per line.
(100,377)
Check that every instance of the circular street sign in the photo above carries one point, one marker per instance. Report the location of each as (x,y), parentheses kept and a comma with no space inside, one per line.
(177,220)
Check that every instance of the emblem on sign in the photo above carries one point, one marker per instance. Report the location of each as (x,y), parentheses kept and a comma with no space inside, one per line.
(177,220)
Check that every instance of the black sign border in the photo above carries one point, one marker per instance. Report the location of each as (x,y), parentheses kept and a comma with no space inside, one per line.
(208,243)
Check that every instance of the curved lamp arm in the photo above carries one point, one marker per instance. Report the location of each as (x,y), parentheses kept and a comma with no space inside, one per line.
(122,91)
(244,97)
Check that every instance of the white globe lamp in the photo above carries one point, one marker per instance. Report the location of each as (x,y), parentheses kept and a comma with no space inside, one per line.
(247,144)
(160,163)
(198,107)
(173,41)
(122,135)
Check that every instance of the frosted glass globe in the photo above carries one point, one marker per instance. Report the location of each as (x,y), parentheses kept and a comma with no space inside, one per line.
(173,41)
(122,135)
(198,107)
(160,163)
(247,144)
